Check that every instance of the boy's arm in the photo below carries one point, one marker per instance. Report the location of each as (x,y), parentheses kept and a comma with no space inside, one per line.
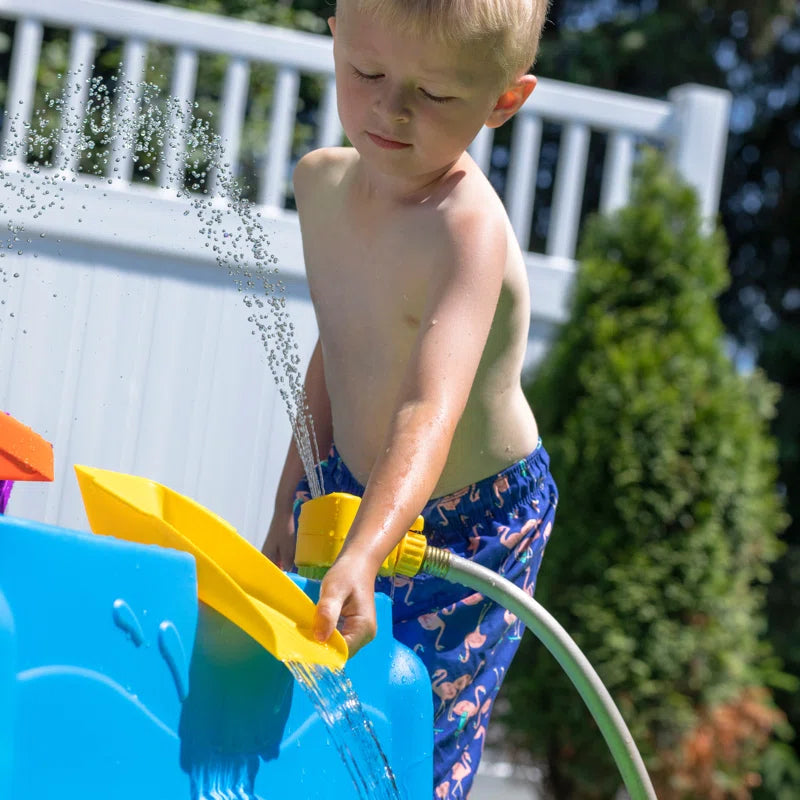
(433,394)
(279,545)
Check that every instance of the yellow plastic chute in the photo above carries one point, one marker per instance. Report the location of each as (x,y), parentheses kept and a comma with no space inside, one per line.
(233,577)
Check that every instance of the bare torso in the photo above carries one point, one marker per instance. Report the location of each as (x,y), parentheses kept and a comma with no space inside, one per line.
(370,282)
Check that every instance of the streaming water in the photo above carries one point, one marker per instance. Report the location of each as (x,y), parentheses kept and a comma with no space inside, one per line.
(97,134)
(337,703)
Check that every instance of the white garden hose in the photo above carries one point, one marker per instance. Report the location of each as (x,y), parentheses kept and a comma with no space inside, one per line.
(444,564)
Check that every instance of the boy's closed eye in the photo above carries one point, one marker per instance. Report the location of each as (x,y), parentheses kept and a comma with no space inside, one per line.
(436,98)
(366,76)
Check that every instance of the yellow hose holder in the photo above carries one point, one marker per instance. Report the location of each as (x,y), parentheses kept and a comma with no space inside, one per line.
(324,524)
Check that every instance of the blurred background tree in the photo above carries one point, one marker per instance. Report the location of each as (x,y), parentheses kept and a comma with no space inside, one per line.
(668,522)
(750,48)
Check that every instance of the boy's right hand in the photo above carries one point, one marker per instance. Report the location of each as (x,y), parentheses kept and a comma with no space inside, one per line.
(279,546)
(347,602)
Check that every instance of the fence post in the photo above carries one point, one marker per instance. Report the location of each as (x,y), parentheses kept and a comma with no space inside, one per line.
(21,88)
(699,141)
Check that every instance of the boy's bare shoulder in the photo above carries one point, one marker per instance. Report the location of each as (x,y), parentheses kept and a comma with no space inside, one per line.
(472,217)
(323,169)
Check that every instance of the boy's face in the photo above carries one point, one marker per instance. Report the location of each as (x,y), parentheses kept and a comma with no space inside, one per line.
(410,106)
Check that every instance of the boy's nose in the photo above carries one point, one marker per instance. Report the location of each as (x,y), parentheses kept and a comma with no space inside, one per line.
(394,105)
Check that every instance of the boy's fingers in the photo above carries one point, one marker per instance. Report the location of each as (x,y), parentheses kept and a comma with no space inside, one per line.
(356,636)
(325,618)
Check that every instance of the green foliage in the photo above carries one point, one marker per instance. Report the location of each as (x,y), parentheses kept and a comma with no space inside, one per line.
(669,515)
(750,48)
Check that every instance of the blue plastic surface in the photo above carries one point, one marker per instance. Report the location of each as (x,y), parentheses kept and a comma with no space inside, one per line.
(116,682)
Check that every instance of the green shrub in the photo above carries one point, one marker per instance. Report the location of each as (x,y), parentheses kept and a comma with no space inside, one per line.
(668,516)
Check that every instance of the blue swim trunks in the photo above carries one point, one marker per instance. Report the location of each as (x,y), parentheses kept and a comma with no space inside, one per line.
(465,640)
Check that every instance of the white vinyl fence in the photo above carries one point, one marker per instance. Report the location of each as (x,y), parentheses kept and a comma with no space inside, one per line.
(126,346)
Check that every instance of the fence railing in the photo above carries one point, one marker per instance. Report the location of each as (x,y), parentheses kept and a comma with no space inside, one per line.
(691,123)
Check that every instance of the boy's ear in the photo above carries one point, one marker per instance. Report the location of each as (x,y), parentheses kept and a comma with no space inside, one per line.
(332,25)
(511,100)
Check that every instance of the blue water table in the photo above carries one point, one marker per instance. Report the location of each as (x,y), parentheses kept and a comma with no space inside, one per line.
(118,680)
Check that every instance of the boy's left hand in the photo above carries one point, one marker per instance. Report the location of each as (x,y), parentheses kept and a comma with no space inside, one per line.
(347,601)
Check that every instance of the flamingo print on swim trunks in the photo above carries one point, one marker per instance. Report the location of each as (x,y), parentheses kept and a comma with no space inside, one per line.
(465,640)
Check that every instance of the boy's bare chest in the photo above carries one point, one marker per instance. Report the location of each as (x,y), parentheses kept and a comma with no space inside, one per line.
(376,276)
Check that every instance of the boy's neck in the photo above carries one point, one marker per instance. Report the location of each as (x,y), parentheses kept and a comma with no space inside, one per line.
(402,190)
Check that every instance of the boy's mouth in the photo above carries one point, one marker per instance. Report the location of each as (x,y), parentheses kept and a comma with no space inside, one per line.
(386,144)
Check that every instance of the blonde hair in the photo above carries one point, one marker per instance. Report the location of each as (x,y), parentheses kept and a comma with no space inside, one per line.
(511,27)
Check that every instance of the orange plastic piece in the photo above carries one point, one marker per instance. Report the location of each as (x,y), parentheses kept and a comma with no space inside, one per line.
(24,455)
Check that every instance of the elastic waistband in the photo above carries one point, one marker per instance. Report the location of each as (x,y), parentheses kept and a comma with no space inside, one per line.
(506,490)
(503,492)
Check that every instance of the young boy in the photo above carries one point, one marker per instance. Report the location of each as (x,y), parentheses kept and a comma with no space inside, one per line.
(422,302)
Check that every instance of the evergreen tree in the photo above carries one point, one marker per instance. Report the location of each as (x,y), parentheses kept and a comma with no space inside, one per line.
(668,517)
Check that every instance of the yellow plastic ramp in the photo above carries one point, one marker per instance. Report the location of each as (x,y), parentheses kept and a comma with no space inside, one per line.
(233,577)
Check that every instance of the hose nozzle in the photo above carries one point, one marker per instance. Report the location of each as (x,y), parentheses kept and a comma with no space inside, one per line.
(323,526)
